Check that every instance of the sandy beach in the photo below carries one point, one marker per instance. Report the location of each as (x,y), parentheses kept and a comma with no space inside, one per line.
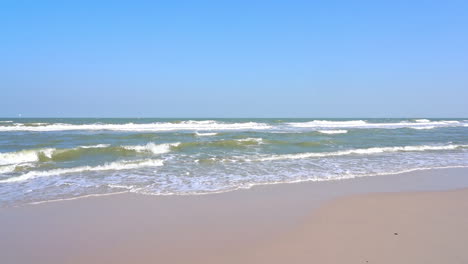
(415,217)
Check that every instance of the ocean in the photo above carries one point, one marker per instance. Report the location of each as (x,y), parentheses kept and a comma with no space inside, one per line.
(43,159)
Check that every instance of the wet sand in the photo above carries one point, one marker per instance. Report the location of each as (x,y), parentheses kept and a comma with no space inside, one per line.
(415,217)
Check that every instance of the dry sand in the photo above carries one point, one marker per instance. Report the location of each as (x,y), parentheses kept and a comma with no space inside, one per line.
(414,218)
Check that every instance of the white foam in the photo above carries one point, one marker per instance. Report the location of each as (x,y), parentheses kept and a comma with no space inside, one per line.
(6,121)
(326,123)
(159,126)
(422,120)
(153,148)
(118,165)
(7,169)
(258,140)
(32,124)
(333,131)
(205,134)
(360,151)
(318,124)
(24,156)
(95,146)
(32,155)
(424,127)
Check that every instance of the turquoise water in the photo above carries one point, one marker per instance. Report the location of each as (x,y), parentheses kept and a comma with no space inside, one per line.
(46,159)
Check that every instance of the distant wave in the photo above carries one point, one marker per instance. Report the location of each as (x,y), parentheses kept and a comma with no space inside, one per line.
(205,134)
(364,124)
(160,126)
(119,165)
(424,127)
(360,151)
(6,121)
(96,146)
(326,123)
(211,125)
(333,131)
(226,143)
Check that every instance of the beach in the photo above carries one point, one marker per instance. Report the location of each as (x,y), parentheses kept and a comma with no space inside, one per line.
(234,132)
(413,217)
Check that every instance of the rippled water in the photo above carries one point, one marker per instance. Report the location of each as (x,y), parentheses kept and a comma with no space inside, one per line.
(44,159)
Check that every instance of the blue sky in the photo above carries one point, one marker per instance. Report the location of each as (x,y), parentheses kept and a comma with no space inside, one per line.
(234,58)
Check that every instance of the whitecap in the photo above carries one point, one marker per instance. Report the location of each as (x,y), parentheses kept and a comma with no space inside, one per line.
(95,146)
(200,134)
(24,156)
(375,150)
(363,124)
(118,165)
(424,127)
(257,140)
(153,148)
(333,131)
(159,126)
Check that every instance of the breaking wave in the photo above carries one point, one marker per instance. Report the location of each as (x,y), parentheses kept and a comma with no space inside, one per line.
(155,127)
(364,124)
(53,154)
(359,151)
(424,127)
(228,143)
(333,131)
(118,165)
(153,148)
(199,134)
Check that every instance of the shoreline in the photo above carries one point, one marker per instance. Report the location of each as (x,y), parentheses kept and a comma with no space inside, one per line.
(217,228)
(253,186)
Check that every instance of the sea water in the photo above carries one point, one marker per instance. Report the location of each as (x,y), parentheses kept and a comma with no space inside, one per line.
(45,159)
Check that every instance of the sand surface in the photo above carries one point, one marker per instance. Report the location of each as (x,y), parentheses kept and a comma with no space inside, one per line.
(429,227)
(351,221)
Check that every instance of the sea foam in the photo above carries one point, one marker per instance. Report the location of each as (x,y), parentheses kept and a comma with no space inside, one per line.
(200,134)
(118,165)
(333,131)
(317,124)
(155,127)
(153,148)
(24,156)
(36,155)
(360,152)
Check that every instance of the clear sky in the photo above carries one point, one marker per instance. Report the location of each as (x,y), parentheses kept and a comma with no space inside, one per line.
(234,58)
